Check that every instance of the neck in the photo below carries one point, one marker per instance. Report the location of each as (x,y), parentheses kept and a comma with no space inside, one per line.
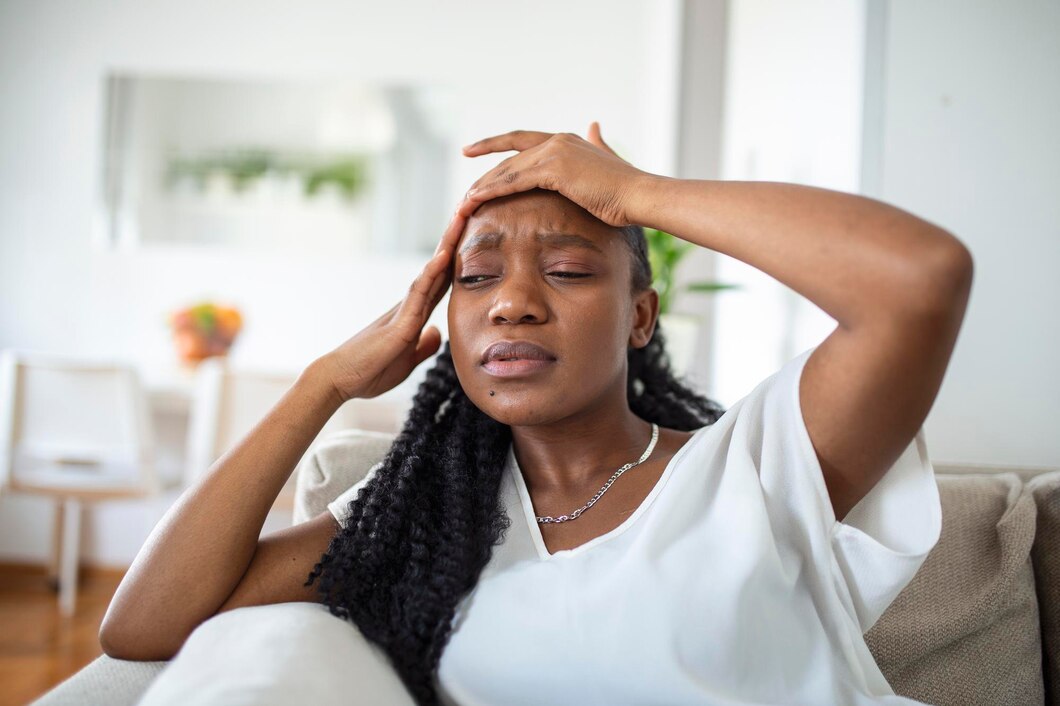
(580,452)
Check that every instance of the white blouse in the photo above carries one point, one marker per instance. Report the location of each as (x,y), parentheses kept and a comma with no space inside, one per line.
(732,583)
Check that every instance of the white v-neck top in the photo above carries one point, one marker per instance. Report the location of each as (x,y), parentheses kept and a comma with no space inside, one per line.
(732,583)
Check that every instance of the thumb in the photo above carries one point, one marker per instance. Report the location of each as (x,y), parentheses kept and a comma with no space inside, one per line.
(429,343)
(597,139)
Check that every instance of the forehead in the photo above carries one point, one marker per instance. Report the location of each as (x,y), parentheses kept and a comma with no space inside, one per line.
(543,218)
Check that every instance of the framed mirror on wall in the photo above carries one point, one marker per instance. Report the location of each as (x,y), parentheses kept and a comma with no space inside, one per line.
(321,167)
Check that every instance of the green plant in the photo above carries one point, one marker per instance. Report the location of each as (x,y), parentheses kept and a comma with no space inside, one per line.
(348,173)
(665,253)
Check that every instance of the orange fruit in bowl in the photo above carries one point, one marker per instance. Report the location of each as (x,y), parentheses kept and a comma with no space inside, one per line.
(229,319)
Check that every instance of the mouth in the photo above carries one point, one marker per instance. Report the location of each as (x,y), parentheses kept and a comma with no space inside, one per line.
(516,358)
(517,367)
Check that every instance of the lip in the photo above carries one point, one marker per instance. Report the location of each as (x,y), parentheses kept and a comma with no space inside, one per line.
(515,368)
(524,350)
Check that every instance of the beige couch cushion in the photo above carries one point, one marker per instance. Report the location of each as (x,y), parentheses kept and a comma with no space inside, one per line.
(1046,556)
(965,629)
(338,461)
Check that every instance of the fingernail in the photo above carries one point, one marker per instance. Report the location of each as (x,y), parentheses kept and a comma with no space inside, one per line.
(471,192)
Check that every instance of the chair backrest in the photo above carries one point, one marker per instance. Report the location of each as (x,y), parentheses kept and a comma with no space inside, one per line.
(228,402)
(77,423)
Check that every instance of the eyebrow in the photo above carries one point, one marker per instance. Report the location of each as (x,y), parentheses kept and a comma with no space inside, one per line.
(491,240)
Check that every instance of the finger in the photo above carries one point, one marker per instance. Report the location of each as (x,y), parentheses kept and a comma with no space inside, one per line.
(428,288)
(468,206)
(446,250)
(534,177)
(594,134)
(387,316)
(451,235)
(440,284)
(429,343)
(506,165)
(597,139)
(516,140)
(415,301)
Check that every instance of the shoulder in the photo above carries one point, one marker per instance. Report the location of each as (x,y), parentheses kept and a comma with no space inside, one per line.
(675,442)
(672,440)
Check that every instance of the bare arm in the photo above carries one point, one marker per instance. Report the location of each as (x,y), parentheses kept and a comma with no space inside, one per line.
(859,259)
(897,285)
(208,541)
(205,555)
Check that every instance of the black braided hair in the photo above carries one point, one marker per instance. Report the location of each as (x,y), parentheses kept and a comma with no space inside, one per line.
(422,530)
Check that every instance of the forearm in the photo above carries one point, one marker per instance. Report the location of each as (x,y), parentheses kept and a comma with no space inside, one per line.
(199,551)
(856,258)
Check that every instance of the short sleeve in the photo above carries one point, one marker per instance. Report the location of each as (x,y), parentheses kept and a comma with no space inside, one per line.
(339,507)
(882,542)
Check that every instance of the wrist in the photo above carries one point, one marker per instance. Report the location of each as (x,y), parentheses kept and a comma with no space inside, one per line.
(647,196)
(319,378)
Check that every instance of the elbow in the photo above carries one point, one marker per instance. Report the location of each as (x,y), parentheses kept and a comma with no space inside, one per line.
(132,646)
(111,644)
(946,279)
(958,268)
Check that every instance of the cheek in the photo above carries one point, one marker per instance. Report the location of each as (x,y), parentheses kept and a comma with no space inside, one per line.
(602,358)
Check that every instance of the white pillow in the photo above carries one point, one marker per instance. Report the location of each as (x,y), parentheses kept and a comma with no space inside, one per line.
(281,654)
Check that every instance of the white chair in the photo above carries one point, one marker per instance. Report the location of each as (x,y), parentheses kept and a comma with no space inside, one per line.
(229,402)
(78,430)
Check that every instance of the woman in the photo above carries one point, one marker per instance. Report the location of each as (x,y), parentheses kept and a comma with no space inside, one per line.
(562,521)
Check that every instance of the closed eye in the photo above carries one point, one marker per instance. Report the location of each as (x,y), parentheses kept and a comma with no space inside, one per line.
(571,274)
(564,275)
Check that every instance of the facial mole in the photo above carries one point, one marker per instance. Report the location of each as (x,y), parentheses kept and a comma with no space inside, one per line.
(491,393)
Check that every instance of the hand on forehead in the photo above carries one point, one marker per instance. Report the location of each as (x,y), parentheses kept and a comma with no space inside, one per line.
(533,213)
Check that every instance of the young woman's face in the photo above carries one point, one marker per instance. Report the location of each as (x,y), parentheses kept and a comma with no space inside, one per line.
(536,267)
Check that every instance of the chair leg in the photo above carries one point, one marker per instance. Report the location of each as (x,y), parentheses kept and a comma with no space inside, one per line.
(70,555)
(57,543)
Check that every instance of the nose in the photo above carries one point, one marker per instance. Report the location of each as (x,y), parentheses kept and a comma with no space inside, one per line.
(518,299)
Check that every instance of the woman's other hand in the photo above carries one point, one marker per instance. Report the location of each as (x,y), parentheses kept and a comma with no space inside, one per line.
(587,172)
(387,350)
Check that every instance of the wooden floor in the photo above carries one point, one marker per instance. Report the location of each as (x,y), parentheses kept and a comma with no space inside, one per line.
(38,647)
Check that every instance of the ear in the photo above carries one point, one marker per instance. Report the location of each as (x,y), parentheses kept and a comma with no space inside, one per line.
(645,316)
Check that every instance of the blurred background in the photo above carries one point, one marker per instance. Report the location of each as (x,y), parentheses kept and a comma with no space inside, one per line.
(198,199)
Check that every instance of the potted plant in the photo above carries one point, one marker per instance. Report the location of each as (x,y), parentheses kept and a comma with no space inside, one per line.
(665,252)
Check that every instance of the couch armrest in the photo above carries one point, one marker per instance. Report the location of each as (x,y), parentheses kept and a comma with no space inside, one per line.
(104,682)
(334,465)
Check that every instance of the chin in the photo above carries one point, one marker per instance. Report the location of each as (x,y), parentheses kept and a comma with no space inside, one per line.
(518,409)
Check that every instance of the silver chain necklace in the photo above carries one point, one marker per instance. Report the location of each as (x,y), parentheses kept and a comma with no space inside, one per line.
(620,471)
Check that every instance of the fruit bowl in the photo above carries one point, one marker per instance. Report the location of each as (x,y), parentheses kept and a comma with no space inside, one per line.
(204,330)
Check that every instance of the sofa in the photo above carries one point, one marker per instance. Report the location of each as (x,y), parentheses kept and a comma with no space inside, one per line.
(978,624)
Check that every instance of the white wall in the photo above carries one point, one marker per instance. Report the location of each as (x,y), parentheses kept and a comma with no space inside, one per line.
(552,66)
(537,73)
(793,111)
(951,115)
(969,141)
